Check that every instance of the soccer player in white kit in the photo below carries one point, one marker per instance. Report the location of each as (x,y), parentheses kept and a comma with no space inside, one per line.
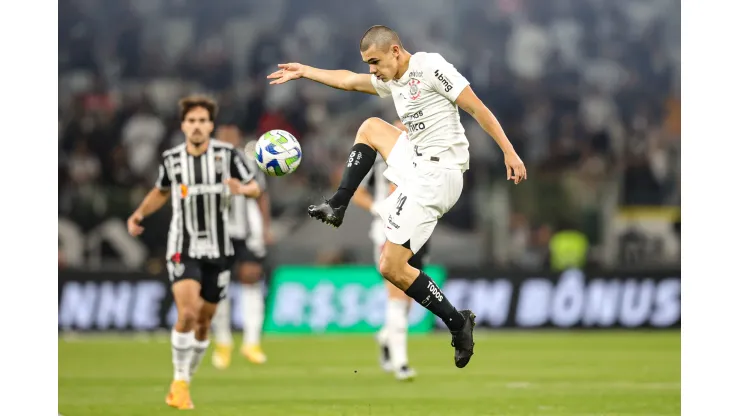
(426,164)
(393,336)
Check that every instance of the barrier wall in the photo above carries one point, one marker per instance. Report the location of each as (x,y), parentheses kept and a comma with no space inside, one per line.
(352,299)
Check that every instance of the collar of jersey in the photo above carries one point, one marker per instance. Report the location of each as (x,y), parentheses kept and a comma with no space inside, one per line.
(405,77)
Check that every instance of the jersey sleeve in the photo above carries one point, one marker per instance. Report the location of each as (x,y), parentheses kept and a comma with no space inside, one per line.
(445,78)
(163,182)
(239,168)
(381,87)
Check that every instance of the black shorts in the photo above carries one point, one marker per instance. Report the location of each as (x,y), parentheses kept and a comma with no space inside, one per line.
(206,272)
(242,253)
(420,259)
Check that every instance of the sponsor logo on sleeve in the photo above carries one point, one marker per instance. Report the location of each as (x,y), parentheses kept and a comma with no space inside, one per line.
(444,81)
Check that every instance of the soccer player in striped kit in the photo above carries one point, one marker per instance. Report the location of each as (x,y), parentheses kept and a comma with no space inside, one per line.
(198,177)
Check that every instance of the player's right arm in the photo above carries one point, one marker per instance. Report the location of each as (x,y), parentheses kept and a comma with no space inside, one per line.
(363,199)
(153,201)
(339,78)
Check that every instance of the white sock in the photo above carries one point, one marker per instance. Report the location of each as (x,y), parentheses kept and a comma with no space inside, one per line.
(253,312)
(182,353)
(199,350)
(221,323)
(397,322)
(382,335)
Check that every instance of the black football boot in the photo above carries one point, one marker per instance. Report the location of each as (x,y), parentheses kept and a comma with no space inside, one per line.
(462,340)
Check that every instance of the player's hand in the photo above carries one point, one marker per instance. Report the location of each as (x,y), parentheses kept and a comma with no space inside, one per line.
(515,169)
(133,223)
(234,185)
(286,73)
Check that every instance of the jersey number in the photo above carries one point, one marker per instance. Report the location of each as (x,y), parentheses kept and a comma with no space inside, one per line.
(399,203)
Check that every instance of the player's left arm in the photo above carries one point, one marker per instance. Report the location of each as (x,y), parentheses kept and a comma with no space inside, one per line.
(447,81)
(468,101)
(242,181)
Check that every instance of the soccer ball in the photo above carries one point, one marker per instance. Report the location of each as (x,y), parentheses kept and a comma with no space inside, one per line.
(278,153)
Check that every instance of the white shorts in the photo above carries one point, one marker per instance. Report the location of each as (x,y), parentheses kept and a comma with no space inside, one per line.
(425,192)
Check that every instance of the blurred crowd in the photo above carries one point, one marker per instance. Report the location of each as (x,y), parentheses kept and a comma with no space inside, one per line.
(587,90)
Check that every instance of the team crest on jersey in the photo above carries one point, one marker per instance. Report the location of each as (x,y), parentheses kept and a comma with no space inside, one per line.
(177,267)
(414,88)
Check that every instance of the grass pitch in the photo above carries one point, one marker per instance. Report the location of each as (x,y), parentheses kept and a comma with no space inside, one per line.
(511,373)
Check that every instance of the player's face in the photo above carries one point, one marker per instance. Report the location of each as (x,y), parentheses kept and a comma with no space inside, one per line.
(197,126)
(383,65)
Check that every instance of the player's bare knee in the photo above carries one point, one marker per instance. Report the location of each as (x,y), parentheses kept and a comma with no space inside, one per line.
(391,269)
(378,134)
(187,315)
(370,126)
(374,131)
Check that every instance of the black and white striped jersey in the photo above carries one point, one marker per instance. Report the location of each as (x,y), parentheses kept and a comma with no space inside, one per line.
(245,217)
(200,198)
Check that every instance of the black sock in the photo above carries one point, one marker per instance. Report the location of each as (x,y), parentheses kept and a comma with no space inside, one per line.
(424,291)
(359,163)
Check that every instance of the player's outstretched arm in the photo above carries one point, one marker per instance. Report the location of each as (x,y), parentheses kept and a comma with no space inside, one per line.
(468,101)
(339,78)
(153,201)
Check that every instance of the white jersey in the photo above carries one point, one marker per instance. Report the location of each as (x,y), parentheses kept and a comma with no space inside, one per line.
(377,183)
(425,101)
(245,219)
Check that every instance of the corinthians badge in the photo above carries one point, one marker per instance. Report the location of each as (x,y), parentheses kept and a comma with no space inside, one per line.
(414,89)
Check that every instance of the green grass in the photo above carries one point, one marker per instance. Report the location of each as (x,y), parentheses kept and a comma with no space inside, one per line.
(543,373)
